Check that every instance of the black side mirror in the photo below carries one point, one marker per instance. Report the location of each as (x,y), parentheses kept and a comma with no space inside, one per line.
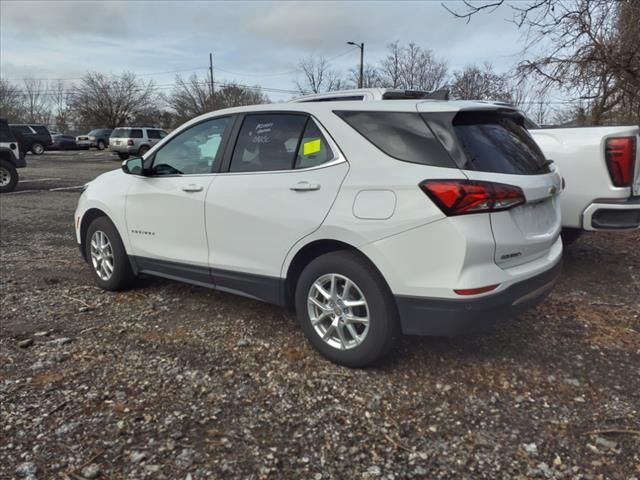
(133,166)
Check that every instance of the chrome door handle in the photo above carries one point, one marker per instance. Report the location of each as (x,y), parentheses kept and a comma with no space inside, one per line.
(305,187)
(192,188)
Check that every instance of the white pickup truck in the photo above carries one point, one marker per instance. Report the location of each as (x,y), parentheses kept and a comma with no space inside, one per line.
(601,168)
(600,165)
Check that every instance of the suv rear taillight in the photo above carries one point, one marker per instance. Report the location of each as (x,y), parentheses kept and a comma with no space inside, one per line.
(620,154)
(461,197)
(130,143)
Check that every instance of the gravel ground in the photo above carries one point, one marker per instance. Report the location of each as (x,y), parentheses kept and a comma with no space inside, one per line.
(169,381)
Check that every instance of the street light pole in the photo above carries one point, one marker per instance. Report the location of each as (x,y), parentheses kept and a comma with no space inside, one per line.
(361,47)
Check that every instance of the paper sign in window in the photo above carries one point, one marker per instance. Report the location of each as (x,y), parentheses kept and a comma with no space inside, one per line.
(311,147)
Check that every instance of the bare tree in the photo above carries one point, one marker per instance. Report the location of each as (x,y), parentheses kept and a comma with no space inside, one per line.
(591,50)
(36,107)
(413,67)
(371,77)
(11,101)
(480,83)
(317,76)
(109,101)
(390,66)
(190,98)
(193,97)
(60,105)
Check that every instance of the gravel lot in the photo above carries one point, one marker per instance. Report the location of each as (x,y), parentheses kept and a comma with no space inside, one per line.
(169,381)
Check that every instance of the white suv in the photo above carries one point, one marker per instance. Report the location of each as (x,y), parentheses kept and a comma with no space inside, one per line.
(372,219)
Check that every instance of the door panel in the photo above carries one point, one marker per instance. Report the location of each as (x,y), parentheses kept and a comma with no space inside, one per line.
(165,218)
(253,219)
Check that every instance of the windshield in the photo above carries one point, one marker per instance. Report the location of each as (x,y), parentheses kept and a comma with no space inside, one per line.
(94,132)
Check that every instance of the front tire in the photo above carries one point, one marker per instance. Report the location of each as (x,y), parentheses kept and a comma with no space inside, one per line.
(8,176)
(107,258)
(346,310)
(37,148)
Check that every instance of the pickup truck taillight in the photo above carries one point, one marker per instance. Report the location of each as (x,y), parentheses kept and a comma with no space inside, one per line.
(620,154)
(461,197)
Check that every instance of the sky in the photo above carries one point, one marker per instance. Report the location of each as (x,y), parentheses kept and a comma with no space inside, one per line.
(254,43)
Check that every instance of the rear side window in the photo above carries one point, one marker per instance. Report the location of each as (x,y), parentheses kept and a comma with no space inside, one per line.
(40,129)
(497,143)
(135,133)
(267,142)
(153,134)
(401,135)
(314,149)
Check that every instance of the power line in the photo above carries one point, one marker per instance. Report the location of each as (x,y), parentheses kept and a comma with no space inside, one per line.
(111,75)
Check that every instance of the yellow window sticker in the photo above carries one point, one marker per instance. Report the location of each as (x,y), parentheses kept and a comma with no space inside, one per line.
(311,147)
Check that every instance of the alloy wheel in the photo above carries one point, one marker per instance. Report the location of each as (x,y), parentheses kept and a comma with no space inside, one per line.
(102,257)
(338,311)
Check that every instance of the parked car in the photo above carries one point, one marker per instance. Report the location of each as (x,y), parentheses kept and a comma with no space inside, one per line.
(127,141)
(62,141)
(11,158)
(601,166)
(97,138)
(371,219)
(36,138)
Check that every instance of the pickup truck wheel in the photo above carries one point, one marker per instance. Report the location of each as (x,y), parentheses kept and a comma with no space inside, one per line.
(570,235)
(8,176)
(346,310)
(100,145)
(37,148)
(107,258)
(123,156)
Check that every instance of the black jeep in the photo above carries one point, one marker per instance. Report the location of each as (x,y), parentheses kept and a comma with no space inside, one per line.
(12,153)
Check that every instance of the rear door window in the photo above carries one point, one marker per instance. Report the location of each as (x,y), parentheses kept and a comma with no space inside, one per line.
(401,135)
(155,134)
(268,142)
(497,143)
(120,133)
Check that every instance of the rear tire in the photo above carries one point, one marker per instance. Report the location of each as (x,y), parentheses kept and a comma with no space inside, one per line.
(570,235)
(123,156)
(37,148)
(106,256)
(348,339)
(8,176)
(100,145)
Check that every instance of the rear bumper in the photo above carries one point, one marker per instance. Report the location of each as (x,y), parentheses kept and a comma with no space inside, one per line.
(612,215)
(123,148)
(449,317)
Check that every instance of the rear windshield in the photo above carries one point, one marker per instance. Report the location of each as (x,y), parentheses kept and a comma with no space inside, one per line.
(499,143)
(401,135)
(127,133)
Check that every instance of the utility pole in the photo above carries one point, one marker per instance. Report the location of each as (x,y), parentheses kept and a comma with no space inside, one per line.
(211,90)
(361,47)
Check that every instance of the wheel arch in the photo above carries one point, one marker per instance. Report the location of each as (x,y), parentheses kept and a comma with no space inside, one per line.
(308,253)
(89,216)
